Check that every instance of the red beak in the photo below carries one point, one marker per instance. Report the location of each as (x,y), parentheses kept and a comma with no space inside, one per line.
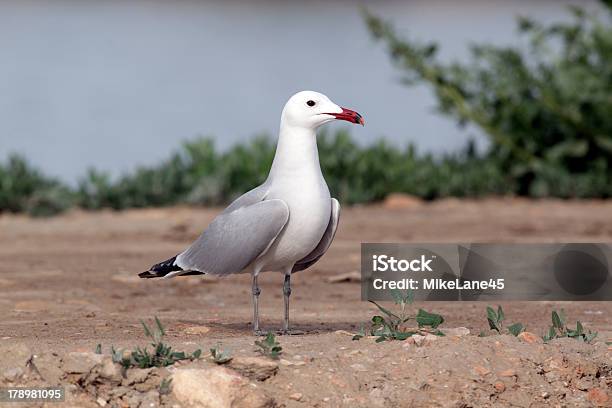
(349,116)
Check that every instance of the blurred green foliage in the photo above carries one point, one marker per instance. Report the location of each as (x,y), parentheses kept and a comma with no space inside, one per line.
(546,105)
(25,189)
(198,174)
(363,174)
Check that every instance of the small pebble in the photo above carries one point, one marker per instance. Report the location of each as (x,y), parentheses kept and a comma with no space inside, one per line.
(297,396)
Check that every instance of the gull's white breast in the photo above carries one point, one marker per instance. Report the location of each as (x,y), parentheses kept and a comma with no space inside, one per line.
(309,202)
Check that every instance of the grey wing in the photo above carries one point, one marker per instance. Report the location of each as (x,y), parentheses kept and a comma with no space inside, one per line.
(250,197)
(236,238)
(325,242)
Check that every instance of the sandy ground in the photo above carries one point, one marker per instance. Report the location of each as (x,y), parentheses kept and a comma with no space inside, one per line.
(69,283)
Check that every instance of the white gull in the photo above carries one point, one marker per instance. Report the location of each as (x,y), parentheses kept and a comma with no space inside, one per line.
(286,224)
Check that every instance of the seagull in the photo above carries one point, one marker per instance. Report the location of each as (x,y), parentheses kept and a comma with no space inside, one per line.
(284,225)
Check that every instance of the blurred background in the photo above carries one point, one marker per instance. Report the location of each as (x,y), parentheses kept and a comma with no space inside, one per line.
(125,104)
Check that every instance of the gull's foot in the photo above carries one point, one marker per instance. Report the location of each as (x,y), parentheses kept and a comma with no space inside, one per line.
(290,332)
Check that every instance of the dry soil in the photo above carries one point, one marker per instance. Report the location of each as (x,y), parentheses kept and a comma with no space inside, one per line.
(70,282)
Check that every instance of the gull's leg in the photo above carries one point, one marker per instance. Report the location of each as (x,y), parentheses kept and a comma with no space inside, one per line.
(287,293)
(256,291)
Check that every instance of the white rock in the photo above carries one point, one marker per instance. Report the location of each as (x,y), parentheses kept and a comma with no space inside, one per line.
(197,330)
(420,341)
(216,387)
(81,362)
(296,396)
(150,400)
(110,370)
(256,368)
(457,332)
(13,360)
(289,363)
(13,374)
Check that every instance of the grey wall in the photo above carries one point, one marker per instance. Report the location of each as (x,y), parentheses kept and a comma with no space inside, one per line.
(114,84)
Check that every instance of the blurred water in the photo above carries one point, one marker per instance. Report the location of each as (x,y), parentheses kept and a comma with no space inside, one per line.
(117,83)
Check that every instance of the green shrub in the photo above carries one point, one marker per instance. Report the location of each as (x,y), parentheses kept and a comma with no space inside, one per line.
(200,175)
(365,174)
(24,189)
(545,107)
(197,174)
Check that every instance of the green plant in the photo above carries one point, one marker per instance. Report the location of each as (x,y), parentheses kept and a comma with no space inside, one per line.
(545,106)
(560,330)
(426,319)
(516,329)
(360,334)
(391,326)
(496,321)
(161,356)
(24,188)
(220,355)
(269,347)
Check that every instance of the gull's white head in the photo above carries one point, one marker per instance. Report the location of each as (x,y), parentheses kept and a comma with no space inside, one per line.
(309,109)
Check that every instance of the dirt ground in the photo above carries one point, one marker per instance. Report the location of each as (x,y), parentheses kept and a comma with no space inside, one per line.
(70,282)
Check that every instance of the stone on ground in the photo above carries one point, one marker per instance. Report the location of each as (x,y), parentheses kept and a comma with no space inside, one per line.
(13,361)
(456,332)
(216,387)
(530,338)
(256,368)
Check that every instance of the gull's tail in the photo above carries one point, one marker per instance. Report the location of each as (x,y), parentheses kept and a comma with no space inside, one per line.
(167,269)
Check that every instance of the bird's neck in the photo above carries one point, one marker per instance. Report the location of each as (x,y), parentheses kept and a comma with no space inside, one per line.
(296,152)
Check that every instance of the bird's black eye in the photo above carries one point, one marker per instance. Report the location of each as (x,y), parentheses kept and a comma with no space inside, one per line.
(311,103)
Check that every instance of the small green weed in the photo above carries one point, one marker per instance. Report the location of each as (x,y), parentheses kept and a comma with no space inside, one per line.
(516,329)
(559,329)
(391,326)
(496,321)
(220,355)
(361,333)
(269,347)
(161,356)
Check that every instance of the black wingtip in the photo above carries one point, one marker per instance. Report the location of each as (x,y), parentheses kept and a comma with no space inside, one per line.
(161,269)
(147,275)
